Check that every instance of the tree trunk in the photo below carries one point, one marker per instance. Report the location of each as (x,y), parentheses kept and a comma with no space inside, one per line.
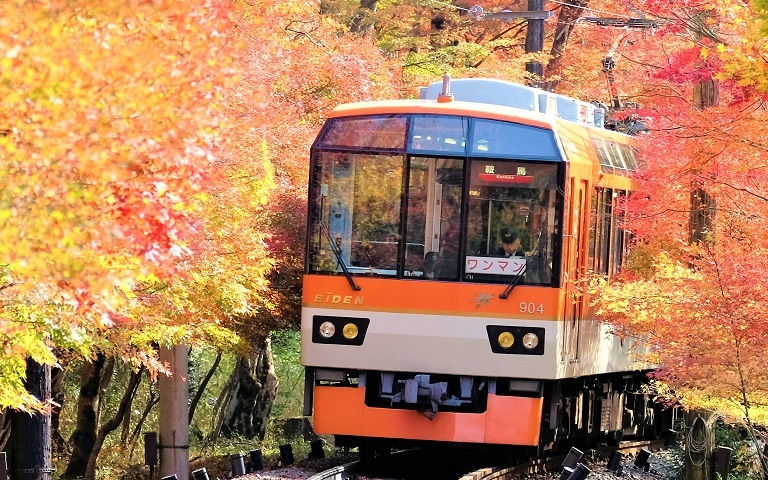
(254,393)
(706,93)
(5,427)
(57,393)
(201,388)
(107,372)
(363,22)
(126,421)
(113,423)
(566,20)
(30,442)
(84,436)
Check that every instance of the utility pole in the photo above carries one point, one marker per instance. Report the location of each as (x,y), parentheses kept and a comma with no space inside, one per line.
(534,39)
(535,16)
(30,442)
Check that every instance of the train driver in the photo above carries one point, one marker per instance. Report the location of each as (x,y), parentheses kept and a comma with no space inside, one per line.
(510,243)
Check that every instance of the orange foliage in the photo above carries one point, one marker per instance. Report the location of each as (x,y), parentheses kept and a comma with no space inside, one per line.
(701,305)
(146,150)
(108,112)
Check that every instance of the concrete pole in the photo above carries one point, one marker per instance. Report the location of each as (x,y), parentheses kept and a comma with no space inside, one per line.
(173,413)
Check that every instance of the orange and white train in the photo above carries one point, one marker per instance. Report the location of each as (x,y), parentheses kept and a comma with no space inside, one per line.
(446,242)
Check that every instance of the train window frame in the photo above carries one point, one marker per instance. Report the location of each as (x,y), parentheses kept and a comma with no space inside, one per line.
(616,157)
(609,242)
(438,227)
(602,153)
(629,157)
(467,124)
(549,264)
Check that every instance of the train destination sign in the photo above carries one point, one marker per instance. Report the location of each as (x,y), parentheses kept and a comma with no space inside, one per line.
(495,265)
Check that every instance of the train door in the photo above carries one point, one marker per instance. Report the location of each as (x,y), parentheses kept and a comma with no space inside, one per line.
(574,246)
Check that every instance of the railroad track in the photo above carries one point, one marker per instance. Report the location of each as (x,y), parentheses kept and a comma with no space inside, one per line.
(554,463)
(355,470)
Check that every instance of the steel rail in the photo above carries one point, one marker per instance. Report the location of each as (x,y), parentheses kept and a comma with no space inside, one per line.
(349,470)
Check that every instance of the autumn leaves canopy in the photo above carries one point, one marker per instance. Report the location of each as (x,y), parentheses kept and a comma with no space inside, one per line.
(154,160)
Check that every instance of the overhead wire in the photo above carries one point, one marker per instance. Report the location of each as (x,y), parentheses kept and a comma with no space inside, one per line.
(449,5)
(559,2)
(568,4)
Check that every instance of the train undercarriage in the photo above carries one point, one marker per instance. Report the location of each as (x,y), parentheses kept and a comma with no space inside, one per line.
(535,415)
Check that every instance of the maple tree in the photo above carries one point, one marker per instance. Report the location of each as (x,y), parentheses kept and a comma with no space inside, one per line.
(109,115)
(148,157)
(700,303)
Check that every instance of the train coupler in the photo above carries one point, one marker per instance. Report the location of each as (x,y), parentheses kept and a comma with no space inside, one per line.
(418,390)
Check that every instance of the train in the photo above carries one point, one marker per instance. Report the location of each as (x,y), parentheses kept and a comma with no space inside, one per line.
(448,239)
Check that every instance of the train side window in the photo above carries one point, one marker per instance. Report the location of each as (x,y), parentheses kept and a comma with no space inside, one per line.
(620,236)
(603,229)
(616,158)
(610,245)
(594,226)
(629,157)
(602,154)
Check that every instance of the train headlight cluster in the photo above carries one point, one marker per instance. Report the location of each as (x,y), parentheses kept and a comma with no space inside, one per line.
(516,340)
(339,330)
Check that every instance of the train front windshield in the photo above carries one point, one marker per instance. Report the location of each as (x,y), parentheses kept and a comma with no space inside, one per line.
(435,197)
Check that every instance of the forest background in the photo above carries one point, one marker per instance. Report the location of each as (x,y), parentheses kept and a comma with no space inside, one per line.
(153,191)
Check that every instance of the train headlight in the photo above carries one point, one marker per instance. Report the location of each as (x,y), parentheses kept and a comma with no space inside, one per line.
(530,341)
(516,339)
(332,330)
(350,331)
(327,329)
(506,339)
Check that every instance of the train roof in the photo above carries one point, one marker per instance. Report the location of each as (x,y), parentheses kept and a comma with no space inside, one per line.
(471,109)
(493,99)
(505,101)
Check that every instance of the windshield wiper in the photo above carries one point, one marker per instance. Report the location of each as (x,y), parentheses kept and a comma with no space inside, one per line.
(515,282)
(337,252)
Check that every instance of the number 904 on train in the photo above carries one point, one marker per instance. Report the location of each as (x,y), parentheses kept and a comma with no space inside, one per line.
(447,238)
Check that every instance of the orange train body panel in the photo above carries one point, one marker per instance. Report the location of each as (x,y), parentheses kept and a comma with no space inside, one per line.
(411,296)
(508,420)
